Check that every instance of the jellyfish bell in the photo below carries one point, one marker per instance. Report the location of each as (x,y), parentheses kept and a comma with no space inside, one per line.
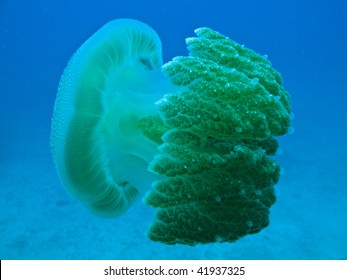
(109,83)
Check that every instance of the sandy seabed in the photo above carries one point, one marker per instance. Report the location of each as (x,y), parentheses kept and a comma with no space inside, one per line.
(39,220)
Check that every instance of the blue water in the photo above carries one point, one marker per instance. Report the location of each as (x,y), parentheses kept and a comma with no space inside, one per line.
(305,40)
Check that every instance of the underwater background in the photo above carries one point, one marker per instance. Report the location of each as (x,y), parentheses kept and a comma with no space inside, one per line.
(306,41)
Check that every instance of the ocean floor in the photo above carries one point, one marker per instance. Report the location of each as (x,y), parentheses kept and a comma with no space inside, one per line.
(39,220)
